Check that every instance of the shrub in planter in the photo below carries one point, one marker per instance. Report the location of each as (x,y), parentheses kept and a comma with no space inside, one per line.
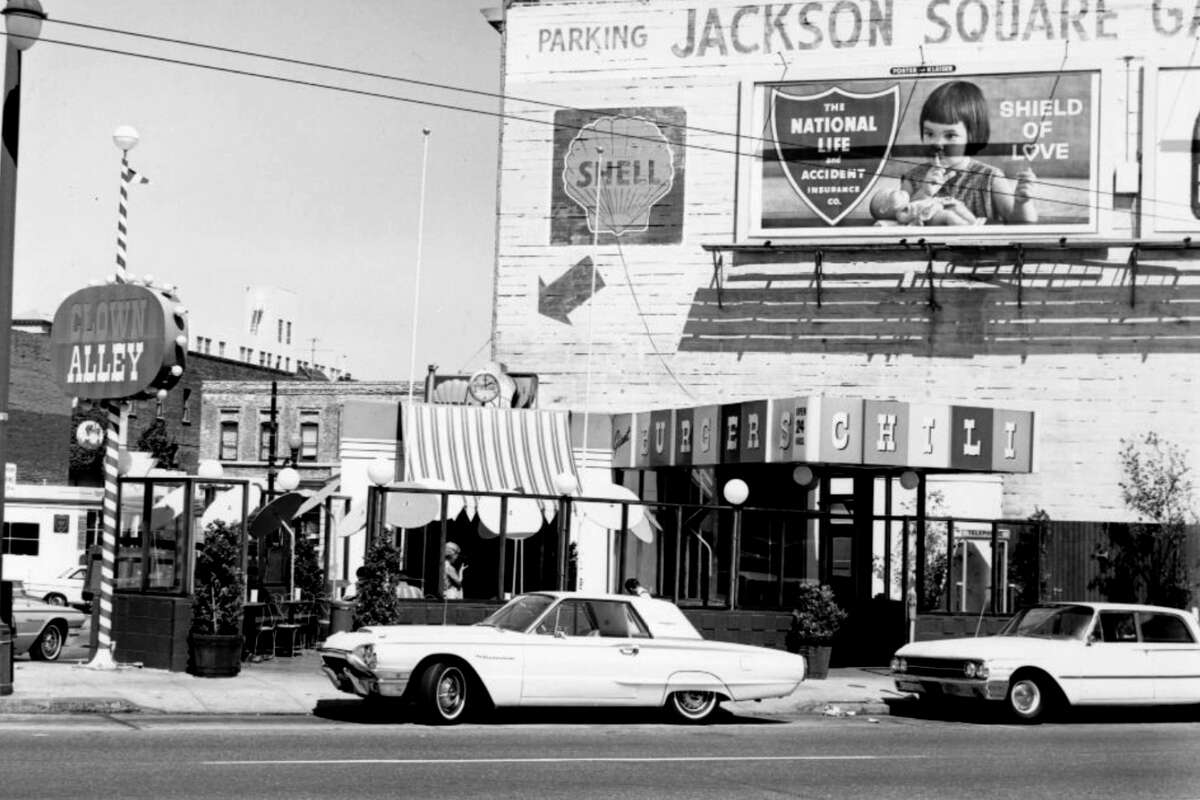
(216,632)
(815,619)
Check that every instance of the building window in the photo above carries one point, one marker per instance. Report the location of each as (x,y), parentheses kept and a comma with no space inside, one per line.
(309,438)
(279,331)
(289,333)
(20,539)
(185,416)
(264,441)
(229,440)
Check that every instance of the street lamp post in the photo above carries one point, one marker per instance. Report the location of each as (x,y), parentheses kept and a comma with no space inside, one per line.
(22,24)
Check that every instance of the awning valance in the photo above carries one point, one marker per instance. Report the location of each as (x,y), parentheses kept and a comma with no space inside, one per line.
(478,448)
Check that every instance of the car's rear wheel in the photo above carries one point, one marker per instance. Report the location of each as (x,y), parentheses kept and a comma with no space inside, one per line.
(1031,698)
(49,644)
(445,693)
(55,599)
(692,707)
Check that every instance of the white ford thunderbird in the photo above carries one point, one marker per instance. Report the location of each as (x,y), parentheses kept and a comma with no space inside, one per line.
(1050,656)
(559,649)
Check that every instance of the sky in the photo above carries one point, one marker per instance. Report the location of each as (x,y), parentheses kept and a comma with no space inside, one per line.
(260,182)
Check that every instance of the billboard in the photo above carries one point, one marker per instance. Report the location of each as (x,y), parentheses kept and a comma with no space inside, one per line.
(1173,193)
(978,154)
(617,172)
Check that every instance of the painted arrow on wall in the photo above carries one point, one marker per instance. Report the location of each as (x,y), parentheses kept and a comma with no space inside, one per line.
(568,291)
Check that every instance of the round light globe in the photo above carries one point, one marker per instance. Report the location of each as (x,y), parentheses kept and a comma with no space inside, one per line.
(23,22)
(125,137)
(736,491)
(287,479)
(802,475)
(909,479)
(381,472)
(565,483)
(209,468)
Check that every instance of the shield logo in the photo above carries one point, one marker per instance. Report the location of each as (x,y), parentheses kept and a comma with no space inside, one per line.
(832,146)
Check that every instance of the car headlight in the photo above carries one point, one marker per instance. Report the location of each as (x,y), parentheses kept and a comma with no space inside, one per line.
(899,665)
(365,656)
(975,669)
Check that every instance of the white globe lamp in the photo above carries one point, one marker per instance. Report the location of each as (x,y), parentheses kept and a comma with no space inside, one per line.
(287,479)
(566,483)
(381,472)
(736,491)
(209,468)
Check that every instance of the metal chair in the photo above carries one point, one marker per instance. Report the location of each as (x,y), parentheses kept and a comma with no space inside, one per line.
(287,631)
(264,627)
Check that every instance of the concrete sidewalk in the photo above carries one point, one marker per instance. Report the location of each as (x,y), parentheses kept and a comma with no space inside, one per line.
(296,685)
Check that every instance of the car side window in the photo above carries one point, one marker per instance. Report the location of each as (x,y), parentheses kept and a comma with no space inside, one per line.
(612,617)
(637,628)
(1157,627)
(1118,626)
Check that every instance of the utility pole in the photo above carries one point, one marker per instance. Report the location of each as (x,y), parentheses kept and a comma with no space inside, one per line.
(271,441)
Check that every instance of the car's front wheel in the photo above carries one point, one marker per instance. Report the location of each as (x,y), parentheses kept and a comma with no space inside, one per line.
(49,644)
(445,693)
(1030,698)
(55,599)
(692,706)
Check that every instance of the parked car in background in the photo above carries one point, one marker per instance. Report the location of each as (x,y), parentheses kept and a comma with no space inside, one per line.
(65,590)
(559,649)
(41,629)
(1052,656)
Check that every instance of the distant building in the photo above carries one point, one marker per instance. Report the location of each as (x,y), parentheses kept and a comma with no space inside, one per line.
(268,336)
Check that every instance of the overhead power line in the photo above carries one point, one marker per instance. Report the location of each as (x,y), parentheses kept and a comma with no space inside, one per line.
(902,164)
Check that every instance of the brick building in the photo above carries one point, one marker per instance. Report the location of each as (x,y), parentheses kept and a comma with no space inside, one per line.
(40,428)
(718,167)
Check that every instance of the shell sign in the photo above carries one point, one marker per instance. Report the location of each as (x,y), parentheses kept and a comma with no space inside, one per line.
(121,341)
(618,173)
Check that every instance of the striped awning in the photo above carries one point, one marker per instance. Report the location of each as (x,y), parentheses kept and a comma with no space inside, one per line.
(479,448)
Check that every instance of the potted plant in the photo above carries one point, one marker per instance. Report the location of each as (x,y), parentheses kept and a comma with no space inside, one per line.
(815,619)
(216,633)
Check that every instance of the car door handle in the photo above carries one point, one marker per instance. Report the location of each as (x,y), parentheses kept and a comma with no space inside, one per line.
(631,650)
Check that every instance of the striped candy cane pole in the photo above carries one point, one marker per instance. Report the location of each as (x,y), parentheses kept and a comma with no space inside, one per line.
(114,441)
(128,174)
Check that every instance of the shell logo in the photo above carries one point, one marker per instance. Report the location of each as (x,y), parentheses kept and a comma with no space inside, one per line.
(635,166)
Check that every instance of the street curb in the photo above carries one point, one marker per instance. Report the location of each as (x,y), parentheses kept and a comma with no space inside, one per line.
(67,705)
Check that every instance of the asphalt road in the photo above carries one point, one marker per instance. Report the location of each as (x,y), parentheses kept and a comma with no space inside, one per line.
(350,753)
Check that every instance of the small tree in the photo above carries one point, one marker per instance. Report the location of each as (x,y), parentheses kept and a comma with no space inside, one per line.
(219,584)
(310,578)
(376,602)
(158,442)
(1145,561)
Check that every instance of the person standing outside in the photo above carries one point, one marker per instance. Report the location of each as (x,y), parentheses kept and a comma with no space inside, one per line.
(452,572)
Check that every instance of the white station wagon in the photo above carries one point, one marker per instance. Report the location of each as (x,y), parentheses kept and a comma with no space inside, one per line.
(1064,654)
(559,649)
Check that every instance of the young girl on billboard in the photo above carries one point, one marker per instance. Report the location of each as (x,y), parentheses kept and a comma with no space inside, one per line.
(954,127)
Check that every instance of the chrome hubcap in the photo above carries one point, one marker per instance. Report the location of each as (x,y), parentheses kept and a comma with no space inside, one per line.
(1025,697)
(451,693)
(693,703)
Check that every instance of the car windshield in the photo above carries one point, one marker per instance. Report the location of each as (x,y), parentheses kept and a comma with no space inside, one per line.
(519,613)
(1052,622)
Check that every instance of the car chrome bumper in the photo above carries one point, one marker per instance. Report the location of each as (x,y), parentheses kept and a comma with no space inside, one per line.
(952,687)
(353,679)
